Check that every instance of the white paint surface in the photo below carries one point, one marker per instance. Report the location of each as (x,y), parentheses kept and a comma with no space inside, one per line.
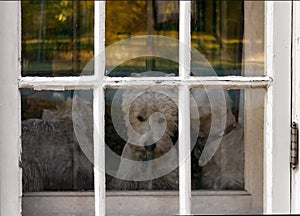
(277,108)
(10,184)
(184,109)
(99,110)
(295,196)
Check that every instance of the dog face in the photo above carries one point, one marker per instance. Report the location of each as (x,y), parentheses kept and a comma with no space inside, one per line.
(151,117)
(151,122)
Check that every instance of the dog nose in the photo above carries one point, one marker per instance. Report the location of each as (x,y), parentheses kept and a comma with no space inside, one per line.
(150,148)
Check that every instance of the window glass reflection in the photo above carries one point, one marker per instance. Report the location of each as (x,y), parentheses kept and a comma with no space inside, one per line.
(126,19)
(141,139)
(217,134)
(57,130)
(57,37)
(217,33)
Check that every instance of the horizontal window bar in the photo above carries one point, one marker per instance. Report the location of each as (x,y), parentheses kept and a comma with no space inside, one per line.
(211,82)
(70,83)
(58,83)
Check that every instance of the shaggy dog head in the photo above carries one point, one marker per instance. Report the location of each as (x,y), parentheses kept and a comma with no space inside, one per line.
(151,120)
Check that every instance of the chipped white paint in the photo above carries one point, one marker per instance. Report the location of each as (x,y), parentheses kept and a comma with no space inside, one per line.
(184,109)
(99,39)
(184,151)
(277,107)
(295,196)
(191,82)
(69,83)
(99,151)
(58,83)
(10,127)
(268,106)
(99,106)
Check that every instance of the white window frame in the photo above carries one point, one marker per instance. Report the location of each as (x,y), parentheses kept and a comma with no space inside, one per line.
(295,173)
(10,127)
(277,105)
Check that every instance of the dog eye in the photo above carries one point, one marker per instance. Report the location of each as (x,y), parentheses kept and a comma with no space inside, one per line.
(161,120)
(141,118)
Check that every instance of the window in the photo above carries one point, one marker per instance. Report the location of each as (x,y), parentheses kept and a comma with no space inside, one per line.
(49,58)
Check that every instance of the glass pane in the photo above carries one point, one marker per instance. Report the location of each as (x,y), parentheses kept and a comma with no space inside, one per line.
(127,19)
(217,140)
(227,138)
(57,37)
(230,35)
(141,139)
(57,142)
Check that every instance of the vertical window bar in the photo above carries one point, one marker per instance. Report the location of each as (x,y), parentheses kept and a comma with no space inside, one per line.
(99,151)
(269,33)
(99,39)
(184,39)
(10,114)
(184,152)
(98,108)
(184,109)
(278,99)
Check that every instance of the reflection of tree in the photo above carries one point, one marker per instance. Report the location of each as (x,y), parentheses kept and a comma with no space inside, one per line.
(125,18)
(217,32)
(61,30)
(57,15)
